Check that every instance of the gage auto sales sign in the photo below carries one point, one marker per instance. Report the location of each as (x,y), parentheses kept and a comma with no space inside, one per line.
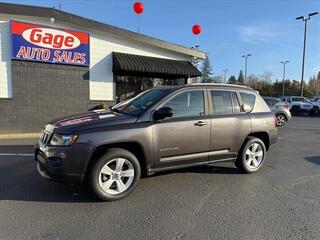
(45,44)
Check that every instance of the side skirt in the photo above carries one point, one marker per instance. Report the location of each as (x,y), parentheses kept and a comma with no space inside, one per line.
(155,170)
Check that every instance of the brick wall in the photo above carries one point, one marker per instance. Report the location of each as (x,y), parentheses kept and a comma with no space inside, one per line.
(42,92)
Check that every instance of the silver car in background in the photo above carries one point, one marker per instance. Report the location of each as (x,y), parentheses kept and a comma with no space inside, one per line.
(280,109)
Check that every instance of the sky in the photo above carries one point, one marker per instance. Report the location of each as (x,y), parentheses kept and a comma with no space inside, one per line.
(267,29)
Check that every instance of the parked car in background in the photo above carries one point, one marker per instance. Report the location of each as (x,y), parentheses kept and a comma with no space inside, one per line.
(299,105)
(316,105)
(161,129)
(280,109)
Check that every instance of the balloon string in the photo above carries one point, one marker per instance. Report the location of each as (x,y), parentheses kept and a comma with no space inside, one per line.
(138,23)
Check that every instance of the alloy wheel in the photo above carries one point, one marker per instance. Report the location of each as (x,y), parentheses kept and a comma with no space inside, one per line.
(281,120)
(254,156)
(116,176)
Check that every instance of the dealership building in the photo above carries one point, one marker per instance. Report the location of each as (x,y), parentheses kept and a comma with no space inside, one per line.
(54,63)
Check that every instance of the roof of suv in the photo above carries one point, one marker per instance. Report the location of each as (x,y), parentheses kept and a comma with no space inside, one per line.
(220,85)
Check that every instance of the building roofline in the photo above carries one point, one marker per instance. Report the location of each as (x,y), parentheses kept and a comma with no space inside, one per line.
(36,11)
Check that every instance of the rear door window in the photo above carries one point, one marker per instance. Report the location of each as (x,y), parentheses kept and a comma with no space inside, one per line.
(225,102)
(248,99)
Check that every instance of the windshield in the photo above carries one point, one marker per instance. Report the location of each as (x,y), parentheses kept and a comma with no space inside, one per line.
(301,99)
(141,102)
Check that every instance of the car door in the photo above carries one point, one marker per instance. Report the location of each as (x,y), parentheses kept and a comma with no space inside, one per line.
(229,124)
(183,138)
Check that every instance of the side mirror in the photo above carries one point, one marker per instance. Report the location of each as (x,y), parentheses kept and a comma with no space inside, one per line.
(247,108)
(162,113)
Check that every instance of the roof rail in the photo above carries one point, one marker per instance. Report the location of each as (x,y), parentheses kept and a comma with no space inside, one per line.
(222,84)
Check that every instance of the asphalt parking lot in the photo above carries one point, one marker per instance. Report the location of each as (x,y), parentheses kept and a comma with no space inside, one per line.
(210,202)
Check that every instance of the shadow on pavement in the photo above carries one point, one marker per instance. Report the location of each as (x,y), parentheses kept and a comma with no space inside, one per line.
(20,181)
(314,159)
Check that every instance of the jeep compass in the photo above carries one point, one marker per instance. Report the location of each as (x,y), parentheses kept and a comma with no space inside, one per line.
(160,129)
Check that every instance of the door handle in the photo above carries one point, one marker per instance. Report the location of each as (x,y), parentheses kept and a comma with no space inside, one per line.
(200,123)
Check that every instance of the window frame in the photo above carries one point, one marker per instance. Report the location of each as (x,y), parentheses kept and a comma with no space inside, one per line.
(176,93)
(210,101)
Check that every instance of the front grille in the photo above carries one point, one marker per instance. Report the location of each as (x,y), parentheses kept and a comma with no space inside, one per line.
(44,138)
(306,106)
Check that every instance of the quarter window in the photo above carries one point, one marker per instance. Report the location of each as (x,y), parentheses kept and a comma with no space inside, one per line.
(187,104)
(248,99)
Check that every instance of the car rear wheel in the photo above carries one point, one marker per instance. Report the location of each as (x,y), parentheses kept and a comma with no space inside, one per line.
(281,120)
(314,111)
(115,175)
(251,156)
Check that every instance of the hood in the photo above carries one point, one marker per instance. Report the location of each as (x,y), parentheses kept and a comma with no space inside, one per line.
(88,120)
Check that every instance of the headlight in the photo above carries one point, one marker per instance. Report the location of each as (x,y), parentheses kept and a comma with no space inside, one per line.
(63,140)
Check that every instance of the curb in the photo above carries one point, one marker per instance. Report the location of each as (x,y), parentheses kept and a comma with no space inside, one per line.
(19,136)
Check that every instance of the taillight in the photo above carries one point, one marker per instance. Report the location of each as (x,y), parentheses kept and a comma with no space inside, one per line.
(286,106)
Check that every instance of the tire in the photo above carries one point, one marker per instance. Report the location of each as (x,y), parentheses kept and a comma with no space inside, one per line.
(295,110)
(281,119)
(243,163)
(314,111)
(115,175)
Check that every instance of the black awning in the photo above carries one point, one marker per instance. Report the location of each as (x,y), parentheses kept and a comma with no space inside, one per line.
(129,64)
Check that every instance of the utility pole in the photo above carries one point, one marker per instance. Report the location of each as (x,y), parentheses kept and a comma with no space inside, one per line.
(225,75)
(305,19)
(246,56)
(284,75)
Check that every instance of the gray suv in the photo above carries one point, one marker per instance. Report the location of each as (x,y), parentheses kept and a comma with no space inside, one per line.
(161,129)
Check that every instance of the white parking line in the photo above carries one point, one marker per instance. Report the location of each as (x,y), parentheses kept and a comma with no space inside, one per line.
(17,154)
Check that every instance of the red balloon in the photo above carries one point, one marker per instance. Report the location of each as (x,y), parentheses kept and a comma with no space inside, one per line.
(138,7)
(196,29)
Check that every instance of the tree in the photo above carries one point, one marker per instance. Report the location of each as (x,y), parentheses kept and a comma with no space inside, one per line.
(240,78)
(314,85)
(217,79)
(266,76)
(232,80)
(253,80)
(206,70)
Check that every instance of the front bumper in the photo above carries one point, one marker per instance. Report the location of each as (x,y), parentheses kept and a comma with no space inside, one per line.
(300,109)
(63,164)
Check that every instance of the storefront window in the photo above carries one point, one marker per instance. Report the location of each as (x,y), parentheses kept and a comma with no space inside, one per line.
(130,86)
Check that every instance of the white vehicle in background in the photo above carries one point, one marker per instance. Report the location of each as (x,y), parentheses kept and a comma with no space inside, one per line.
(316,104)
(299,105)
(280,109)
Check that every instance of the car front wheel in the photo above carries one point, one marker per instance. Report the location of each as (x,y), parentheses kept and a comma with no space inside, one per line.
(115,175)
(251,156)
